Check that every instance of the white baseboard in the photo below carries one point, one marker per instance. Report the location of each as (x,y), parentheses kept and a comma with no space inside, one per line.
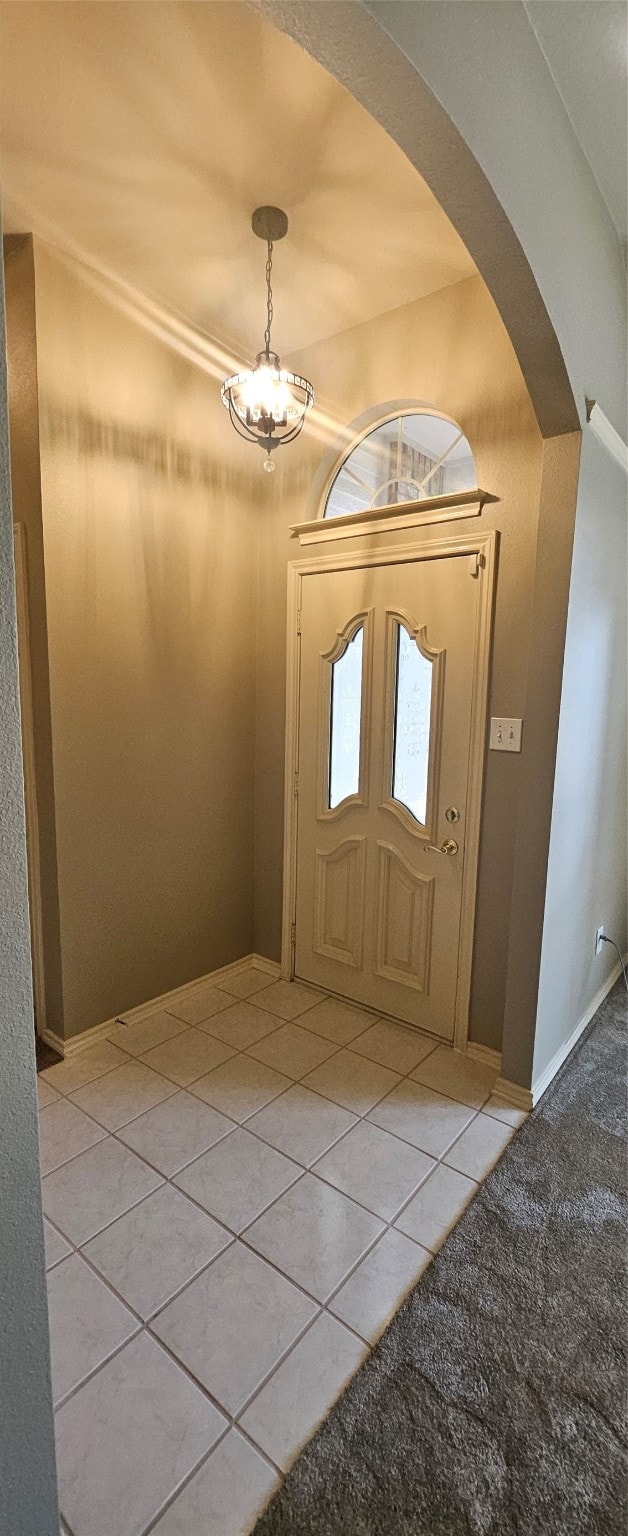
(87,1037)
(528,1098)
(485,1055)
(542,1082)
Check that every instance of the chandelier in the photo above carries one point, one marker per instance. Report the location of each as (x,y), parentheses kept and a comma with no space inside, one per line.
(267,403)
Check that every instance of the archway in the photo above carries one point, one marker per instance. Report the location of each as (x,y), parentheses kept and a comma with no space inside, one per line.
(351,45)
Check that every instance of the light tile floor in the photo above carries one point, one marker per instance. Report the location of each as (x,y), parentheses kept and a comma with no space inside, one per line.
(238,1195)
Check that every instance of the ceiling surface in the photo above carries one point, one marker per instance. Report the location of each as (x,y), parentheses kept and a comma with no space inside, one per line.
(585,43)
(143,135)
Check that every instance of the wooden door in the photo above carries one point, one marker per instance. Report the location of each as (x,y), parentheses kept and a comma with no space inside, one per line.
(384,719)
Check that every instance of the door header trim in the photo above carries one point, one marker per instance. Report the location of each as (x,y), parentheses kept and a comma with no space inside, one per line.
(407,514)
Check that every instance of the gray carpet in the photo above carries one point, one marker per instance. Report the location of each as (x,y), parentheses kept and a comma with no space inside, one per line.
(494,1404)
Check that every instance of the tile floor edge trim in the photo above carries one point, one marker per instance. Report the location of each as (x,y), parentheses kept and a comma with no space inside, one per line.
(77,1043)
(363,1327)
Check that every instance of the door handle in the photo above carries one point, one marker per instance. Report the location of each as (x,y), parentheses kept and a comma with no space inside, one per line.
(449,848)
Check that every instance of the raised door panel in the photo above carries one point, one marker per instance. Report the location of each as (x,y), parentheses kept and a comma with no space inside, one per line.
(405,902)
(339,901)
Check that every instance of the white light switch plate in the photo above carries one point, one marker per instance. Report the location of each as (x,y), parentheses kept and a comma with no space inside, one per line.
(505,735)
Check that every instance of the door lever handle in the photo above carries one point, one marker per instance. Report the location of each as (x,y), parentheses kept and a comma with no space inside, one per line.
(449,848)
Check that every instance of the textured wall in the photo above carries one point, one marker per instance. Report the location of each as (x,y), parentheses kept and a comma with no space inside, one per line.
(28,1499)
(26,496)
(449,350)
(513,120)
(405,81)
(586,878)
(150,534)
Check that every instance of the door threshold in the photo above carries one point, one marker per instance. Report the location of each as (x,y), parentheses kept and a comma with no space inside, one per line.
(388,1018)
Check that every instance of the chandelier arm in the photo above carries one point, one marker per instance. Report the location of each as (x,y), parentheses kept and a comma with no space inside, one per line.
(241,429)
(288,437)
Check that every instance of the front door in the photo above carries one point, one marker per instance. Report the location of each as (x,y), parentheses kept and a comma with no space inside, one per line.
(388,658)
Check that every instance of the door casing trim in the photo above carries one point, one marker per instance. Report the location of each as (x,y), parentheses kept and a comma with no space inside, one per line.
(481,547)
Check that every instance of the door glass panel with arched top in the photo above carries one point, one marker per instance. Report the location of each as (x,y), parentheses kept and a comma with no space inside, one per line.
(411,749)
(345,715)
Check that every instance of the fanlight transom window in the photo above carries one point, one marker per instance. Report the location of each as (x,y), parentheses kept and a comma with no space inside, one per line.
(408,458)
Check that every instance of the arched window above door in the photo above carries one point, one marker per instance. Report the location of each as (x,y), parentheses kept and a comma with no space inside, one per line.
(409,457)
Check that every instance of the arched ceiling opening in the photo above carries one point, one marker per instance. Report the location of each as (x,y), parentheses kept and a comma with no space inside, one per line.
(142,137)
(355,49)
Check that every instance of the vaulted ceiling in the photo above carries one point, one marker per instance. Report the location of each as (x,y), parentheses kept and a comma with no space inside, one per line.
(143,135)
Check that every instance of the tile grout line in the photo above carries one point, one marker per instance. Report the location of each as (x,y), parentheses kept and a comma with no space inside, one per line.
(177,1087)
(184,1088)
(115,1135)
(233,1418)
(234,1421)
(202,1463)
(321,1308)
(189,1087)
(144,1326)
(219,1013)
(85,1380)
(324,1307)
(240,1235)
(78,1247)
(183,1484)
(145,1323)
(360,1118)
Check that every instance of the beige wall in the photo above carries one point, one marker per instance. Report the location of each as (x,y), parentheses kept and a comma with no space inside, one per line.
(150,535)
(449,350)
(168,759)
(26,493)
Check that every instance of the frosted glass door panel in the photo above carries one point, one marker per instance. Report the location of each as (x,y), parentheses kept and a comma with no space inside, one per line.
(344,722)
(413,699)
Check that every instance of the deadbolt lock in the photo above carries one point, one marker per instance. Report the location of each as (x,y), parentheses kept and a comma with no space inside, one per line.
(452,813)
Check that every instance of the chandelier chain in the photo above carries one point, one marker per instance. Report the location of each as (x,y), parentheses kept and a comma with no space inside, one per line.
(269,299)
(267,403)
